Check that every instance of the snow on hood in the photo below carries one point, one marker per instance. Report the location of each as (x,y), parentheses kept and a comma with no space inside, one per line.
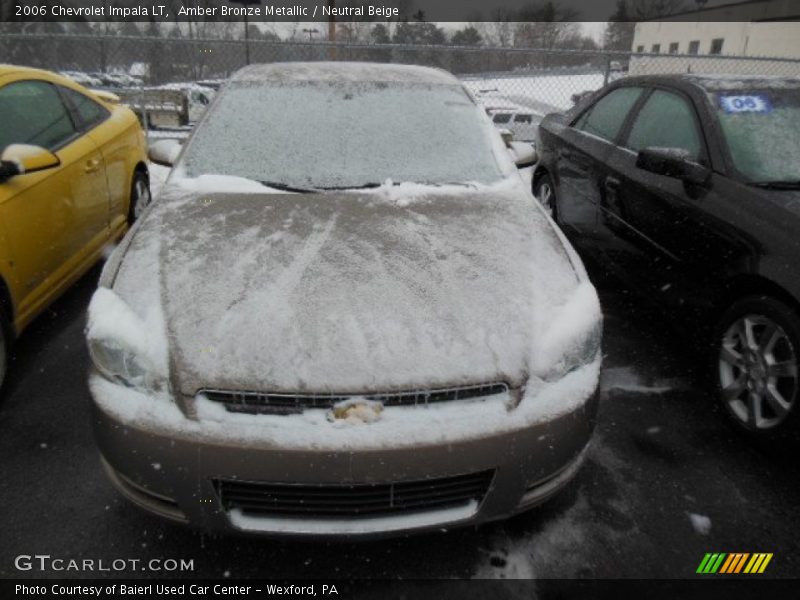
(354,291)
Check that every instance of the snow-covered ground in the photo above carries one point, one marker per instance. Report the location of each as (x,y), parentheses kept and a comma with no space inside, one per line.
(560,548)
(158,175)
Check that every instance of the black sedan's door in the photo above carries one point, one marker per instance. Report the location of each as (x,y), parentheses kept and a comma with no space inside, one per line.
(656,229)
(583,149)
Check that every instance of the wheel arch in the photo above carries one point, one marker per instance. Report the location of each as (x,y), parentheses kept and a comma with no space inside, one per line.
(539,172)
(141,167)
(752,285)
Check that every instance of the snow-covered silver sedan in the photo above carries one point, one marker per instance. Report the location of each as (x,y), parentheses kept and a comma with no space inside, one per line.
(344,315)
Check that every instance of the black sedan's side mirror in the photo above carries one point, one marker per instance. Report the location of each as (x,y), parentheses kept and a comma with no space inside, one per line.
(673,162)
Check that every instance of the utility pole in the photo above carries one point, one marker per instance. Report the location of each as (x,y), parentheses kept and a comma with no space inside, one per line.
(332,31)
(245,4)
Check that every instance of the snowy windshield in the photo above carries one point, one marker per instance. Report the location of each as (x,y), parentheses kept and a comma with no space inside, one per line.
(762,128)
(343,135)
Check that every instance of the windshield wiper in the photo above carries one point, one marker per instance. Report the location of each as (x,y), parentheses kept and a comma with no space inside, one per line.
(362,186)
(778,185)
(285,187)
(372,185)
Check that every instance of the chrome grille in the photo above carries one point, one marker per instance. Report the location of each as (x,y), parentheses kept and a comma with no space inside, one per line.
(283,404)
(351,500)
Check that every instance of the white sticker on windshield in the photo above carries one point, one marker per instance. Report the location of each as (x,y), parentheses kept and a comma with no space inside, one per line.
(739,104)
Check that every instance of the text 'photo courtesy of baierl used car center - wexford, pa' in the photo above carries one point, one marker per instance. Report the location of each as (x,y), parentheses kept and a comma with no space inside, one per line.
(403,299)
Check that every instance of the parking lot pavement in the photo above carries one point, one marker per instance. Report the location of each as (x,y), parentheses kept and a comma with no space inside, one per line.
(666,481)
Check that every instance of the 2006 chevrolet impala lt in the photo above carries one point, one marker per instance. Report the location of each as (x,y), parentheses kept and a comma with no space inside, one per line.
(345,314)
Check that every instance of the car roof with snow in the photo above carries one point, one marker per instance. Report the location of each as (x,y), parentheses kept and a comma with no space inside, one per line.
(6,69)
(343,71)
(716,81)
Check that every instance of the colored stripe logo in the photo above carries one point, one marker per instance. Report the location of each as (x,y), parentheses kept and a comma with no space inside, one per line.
(734,563)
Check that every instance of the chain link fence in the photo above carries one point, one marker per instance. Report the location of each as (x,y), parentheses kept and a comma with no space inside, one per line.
(516,85)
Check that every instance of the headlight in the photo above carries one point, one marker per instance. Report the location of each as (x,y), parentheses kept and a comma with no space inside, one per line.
(126,348)
(119,364)
(576,352)
(571,339)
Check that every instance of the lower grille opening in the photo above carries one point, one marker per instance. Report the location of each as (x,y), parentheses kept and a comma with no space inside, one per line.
(345,501)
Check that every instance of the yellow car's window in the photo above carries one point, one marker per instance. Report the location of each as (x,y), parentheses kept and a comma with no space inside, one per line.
(89,112)
(33,113)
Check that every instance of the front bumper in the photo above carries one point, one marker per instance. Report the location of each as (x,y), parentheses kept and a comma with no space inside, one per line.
(171,464)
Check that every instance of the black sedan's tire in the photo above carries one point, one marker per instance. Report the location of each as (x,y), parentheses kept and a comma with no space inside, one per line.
(140,196)
(545,193)
(755,353)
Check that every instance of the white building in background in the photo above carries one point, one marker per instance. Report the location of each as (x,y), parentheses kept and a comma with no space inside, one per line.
(753,28)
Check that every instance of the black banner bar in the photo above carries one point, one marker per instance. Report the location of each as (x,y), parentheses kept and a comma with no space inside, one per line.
(171,11)
(706,588)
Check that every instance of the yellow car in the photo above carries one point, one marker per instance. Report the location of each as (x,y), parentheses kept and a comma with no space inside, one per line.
(73,177)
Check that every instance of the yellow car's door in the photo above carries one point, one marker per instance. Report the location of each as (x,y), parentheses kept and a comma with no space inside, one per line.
(50,217)
(116,142)
(89,169)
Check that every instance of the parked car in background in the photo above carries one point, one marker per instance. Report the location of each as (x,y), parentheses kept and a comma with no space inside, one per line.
(520,121)
(688,187)
(82,78)
(348,305)
(198,98)
(73,177)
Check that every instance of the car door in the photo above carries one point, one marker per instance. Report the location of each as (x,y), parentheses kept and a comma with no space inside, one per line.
(580,161)
(656,231)
(50,215)
(96,166)
(115,150)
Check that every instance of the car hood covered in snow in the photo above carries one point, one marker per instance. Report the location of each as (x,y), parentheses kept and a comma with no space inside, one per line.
(394,288)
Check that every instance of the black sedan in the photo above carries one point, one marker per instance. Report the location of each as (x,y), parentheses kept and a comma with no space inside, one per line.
(688,187)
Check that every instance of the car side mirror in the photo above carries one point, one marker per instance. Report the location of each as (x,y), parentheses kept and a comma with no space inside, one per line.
(18,159)
(673,162)
(165,152)
(524,154)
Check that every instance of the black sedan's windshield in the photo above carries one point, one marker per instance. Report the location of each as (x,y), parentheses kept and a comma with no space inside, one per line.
(324,135)
(762,129)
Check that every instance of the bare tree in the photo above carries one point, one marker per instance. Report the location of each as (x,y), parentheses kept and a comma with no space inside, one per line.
(654,9)
(545,26)
(499,31)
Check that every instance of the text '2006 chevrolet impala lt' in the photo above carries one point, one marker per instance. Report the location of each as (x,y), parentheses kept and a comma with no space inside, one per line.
(344,315)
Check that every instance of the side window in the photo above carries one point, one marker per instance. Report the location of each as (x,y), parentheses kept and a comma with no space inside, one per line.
(501,118)
(523,118)
(89,112)
(605,117)
(33,113)
(665,121)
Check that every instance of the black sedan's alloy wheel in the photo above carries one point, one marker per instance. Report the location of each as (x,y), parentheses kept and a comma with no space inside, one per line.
(758,345)
(545,192)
